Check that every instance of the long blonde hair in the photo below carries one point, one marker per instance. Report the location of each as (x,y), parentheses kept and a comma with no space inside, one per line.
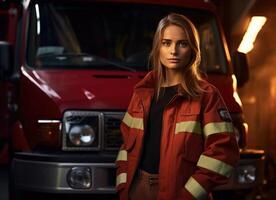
(191,76)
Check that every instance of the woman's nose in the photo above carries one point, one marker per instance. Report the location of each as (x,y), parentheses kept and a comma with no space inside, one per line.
(173,49)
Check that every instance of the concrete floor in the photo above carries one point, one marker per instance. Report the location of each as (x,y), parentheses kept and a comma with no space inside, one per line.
(4,183)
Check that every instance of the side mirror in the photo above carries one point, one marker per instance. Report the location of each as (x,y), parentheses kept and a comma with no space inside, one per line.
(5,59)
(241,69)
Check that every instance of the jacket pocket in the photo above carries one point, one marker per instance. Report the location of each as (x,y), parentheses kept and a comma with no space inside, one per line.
(189,135)
(192,156)
(194,146)
(190,113)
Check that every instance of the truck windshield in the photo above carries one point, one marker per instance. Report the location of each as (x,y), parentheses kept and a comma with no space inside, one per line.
(109,36)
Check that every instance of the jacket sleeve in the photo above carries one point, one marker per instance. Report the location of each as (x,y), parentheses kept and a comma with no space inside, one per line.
(221,151)
(122,157)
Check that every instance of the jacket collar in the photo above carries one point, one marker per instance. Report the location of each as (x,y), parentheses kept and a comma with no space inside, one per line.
(144,90)
(147,83)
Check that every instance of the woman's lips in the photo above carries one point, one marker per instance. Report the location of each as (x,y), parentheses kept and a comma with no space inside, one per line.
(174,60)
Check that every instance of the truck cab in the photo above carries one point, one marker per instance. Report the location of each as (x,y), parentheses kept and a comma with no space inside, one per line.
(69,74)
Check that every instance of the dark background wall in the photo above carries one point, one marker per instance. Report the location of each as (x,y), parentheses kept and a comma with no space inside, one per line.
(259,93)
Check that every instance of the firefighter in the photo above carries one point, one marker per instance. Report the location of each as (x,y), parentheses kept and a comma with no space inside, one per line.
(177,132)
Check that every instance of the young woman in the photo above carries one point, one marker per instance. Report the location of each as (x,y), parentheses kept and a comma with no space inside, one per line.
(178,136)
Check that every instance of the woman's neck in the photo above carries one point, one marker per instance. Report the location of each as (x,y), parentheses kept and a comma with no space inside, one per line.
(173,77)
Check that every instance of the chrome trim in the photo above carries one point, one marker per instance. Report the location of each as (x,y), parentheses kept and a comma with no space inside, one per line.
(48,121)
(116,115)
(52,176)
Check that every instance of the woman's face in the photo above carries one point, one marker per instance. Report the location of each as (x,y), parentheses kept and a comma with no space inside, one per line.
(175,51)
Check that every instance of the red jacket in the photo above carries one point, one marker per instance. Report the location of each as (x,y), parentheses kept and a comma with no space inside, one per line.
(198,148)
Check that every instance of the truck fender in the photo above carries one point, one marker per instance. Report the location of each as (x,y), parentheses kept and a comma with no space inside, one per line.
(18,139)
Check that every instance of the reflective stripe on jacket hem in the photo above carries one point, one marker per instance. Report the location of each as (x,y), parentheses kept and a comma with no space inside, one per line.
(195,189)
(215,165)
(121,178)
(122,155)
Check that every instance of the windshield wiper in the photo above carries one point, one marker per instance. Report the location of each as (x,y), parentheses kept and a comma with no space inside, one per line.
(106,61)
(86,58)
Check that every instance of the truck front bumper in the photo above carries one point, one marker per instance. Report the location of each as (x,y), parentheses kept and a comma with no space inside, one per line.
(249,172)
(51,172)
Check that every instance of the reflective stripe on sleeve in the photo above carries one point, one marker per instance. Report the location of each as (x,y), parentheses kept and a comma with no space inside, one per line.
(133,122)
(188,126)
(122,155)
(217,127)
(121,178)
(215,165)
(195,189)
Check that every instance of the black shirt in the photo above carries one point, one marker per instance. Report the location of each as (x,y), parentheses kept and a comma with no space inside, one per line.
(151,150)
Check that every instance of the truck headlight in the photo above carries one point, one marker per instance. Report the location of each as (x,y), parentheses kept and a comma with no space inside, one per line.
(79,178)
(82,135)
(81,130)
(246,174)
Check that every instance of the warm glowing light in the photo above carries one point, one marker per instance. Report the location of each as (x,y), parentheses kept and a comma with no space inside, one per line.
(249,37)
(273,87)
(235,93)
(38,18)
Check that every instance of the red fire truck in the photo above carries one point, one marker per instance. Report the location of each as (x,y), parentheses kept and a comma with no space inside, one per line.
(67,71)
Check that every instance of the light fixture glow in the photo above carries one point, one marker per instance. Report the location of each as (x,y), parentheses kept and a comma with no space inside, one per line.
(249,37)
(48,121)
(38,18)
(235,93)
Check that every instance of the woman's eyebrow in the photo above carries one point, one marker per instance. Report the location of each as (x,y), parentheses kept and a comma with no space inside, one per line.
(185,40)
(169,40)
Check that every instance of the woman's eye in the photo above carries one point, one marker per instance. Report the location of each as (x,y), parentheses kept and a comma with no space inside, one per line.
(166,43)
(183,44)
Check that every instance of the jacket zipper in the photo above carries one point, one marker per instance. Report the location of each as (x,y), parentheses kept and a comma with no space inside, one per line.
(145,117)
(172,99)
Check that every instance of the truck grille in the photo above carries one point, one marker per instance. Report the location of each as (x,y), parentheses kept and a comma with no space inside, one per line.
(112,135)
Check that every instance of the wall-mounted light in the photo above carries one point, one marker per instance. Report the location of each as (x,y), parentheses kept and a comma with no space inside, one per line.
(37,18)
(255,25)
